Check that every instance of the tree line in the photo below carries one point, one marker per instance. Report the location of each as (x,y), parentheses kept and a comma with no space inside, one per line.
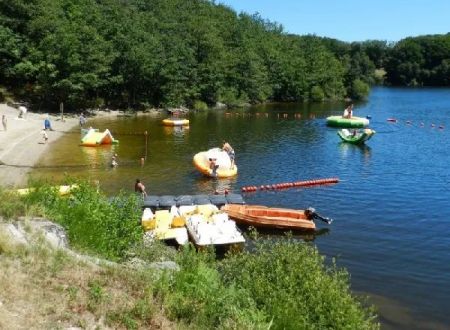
(144,53)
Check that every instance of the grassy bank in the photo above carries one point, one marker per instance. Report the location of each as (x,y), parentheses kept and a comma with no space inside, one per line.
(277,285)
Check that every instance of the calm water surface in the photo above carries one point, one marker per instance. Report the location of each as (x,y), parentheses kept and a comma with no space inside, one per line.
(391,208)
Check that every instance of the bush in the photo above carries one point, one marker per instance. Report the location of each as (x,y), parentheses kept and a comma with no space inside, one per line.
(200,106)
(359,90)
(94,223)
(197,295)
(282,285)
(11,205)
(289,282)
(317,94)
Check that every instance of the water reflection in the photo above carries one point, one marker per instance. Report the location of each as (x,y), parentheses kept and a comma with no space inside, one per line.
(279,234)
(177,131)
(347,149)
(96,157)
(211,185)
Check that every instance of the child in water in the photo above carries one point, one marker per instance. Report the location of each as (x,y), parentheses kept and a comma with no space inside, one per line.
(114,162)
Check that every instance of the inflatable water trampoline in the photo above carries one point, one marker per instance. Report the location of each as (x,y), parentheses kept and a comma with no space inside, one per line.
(175,122)
(354,122)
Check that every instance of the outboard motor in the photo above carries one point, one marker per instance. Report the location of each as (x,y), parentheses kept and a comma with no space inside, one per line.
(311,214)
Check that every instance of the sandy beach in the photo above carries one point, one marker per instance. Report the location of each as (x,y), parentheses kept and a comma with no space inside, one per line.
(22,144)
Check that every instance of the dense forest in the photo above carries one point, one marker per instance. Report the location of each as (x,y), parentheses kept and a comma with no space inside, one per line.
(144,53)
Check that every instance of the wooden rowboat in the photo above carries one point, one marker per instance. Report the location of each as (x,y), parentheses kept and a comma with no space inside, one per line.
(269,217)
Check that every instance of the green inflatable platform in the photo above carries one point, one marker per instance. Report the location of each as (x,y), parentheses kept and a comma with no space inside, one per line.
(354,122)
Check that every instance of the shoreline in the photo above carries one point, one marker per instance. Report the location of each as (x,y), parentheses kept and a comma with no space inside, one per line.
(22,145)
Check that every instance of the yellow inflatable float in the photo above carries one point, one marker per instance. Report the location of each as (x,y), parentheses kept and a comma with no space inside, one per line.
(94,138)
(203,161)
(175,122)
(62,190)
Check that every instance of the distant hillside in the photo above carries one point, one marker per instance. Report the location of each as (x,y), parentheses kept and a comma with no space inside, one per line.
(162,52)
(138,53)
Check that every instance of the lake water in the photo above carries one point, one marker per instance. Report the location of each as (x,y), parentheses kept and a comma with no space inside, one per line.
(391,207)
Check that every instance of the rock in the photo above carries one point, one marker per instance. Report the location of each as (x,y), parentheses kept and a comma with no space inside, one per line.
(179,110)
(54,234)
(14,234)
(23,232)
(220,105)
(136,263)
(162,265)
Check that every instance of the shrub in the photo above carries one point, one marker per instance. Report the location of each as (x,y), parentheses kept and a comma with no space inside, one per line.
(197,295)
(360,89)
(11,205)
(200,106)
(289,282)
(94,223)
(317,94)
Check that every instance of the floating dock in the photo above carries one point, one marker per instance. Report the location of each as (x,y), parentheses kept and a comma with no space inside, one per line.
(167,201)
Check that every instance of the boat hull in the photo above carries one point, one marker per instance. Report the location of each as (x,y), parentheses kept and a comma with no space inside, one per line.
(267,217)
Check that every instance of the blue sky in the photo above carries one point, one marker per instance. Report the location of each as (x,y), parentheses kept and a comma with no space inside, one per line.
(353,20)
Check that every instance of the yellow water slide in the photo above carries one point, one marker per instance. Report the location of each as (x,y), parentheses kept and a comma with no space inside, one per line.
(94,138)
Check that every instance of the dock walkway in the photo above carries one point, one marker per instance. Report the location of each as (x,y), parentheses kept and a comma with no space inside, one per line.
(167,201)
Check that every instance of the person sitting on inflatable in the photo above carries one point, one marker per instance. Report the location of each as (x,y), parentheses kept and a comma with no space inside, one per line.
(213,166)
(348,112)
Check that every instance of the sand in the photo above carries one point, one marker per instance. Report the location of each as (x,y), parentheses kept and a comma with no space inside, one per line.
(22,144)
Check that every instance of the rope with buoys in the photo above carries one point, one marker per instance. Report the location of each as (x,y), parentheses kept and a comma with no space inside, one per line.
(285,185)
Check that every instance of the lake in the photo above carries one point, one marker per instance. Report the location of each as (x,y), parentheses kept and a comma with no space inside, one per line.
(391,207)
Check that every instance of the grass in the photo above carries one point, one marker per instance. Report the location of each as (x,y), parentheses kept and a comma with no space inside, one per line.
(277,285)
(48,289)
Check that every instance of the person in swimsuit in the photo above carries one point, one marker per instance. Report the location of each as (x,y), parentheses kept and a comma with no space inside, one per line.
(230,151)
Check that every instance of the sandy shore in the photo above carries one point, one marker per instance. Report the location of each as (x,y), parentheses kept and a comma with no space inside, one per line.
(22,144)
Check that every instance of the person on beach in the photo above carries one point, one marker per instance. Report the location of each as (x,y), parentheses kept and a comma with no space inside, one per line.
(23,111)
(140,188)
(44,136)
(82,120)
(5,123)
(47,124)
(230,151)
